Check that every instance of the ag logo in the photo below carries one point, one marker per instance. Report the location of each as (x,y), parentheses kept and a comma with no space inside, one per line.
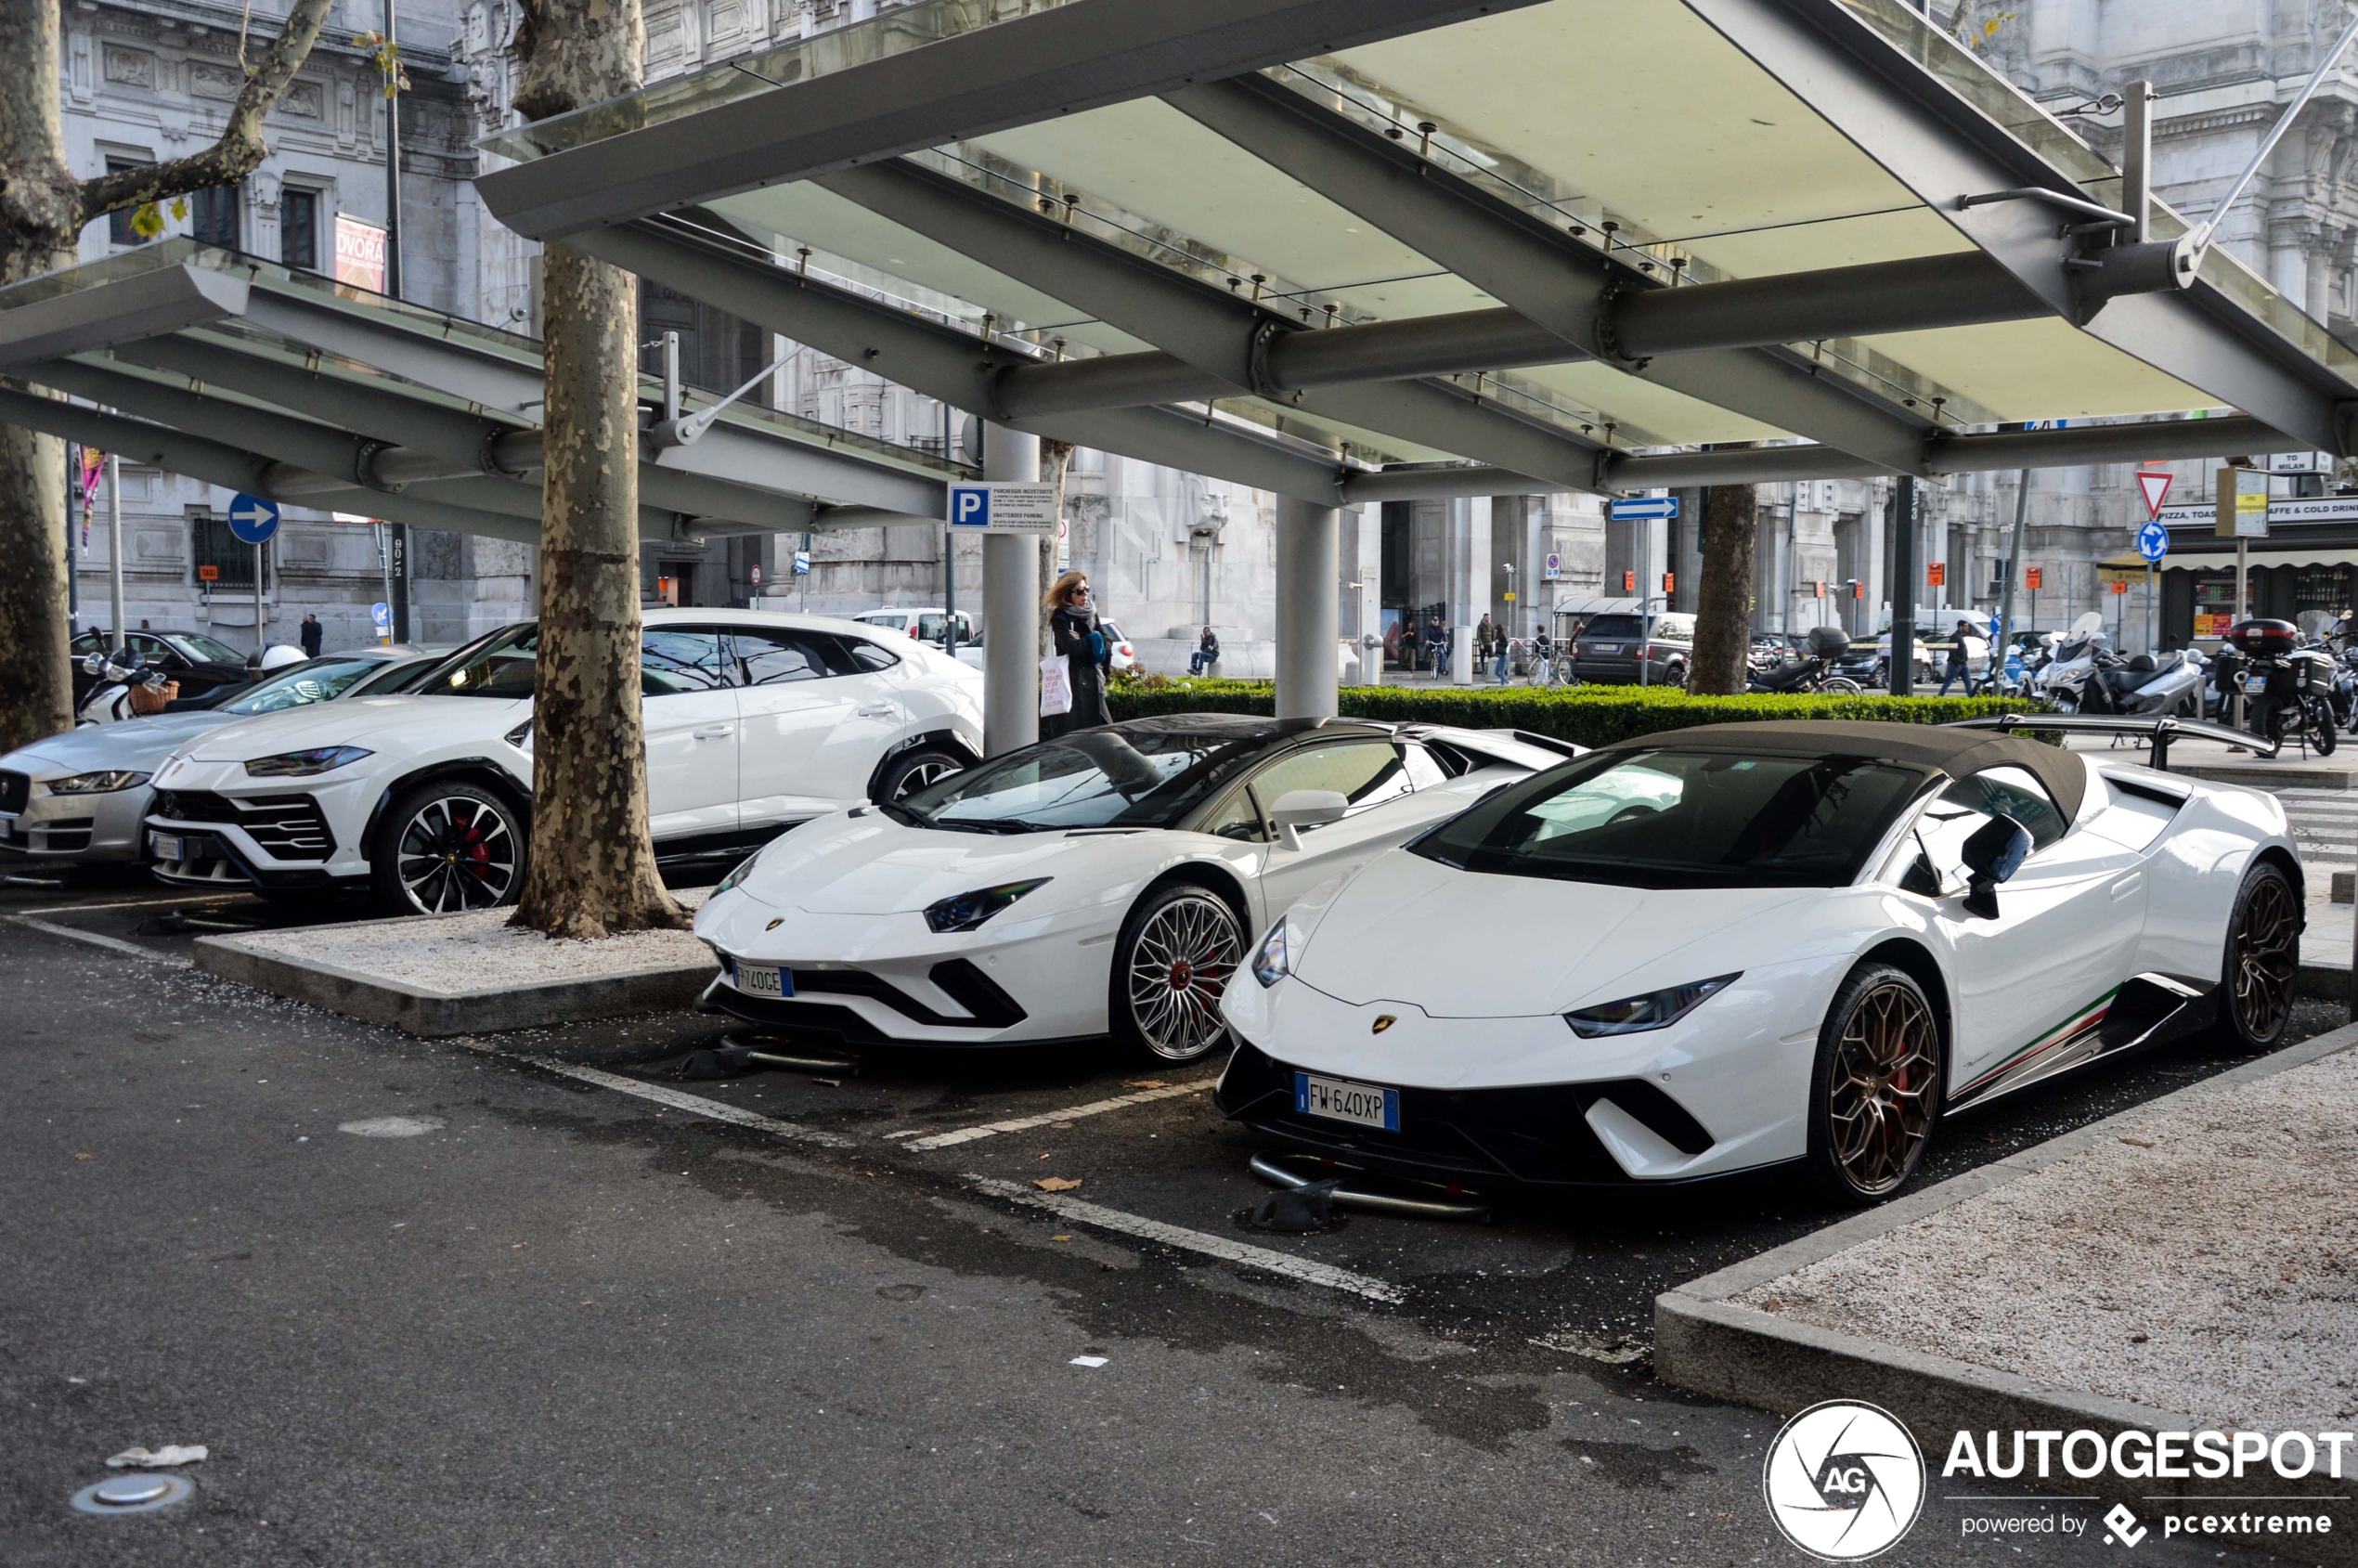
(1843,1481)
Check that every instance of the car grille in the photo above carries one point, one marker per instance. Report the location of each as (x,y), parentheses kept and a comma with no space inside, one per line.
(289,827)
(15,790)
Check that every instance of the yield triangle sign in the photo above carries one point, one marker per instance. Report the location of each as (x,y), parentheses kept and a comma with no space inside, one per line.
(2157,488)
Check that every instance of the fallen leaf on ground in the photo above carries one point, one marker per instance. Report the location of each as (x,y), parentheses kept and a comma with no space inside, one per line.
(1056,1184)
(85,1156)
(1147,1084)
(2138,1143)
(1060,1238)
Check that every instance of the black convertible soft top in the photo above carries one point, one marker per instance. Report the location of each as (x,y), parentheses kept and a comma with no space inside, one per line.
(1931,748)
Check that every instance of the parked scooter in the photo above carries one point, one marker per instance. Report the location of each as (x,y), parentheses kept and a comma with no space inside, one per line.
(2285,686)
(2171,683)
(1813,672)
(128,688)
(2071,658)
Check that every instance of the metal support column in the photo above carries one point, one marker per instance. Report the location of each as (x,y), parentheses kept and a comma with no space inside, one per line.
(1010,606)
(1307,560)
(1905,528)
(114,545)
(2014,576)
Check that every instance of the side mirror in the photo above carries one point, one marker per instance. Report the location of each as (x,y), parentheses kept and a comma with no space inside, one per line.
(1298,809)
(1995,852)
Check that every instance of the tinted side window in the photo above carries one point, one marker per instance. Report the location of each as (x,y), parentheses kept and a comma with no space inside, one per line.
(867,656)
(674,659)
(775,658)
(1364,772)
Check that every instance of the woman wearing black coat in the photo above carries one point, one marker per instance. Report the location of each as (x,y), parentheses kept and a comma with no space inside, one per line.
(1072,626)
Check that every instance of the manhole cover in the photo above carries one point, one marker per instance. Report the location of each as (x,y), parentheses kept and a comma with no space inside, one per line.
(132,1494)
(393,1126)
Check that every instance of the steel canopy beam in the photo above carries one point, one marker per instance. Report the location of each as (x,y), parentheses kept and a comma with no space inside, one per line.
(1547,276)
(943,362)
(1074,57)
(1943,148)
(1210,329)
(141,305)
(1897,296)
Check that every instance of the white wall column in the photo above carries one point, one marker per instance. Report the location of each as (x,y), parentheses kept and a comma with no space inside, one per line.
(1010,606)
(1367,520)
(1308,563)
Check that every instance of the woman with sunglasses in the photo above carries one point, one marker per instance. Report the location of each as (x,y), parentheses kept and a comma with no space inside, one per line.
(1072,626)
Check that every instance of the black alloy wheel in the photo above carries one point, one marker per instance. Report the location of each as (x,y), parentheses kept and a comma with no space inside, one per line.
(1875,1094)
(1176,954)
(447,849)
(2263,958)
(914,770)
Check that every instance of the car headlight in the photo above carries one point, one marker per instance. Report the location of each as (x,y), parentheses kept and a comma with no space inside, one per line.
(97,783)
(1655,1009)
(1272,960)
(969,910)
(743,869)
(304,764)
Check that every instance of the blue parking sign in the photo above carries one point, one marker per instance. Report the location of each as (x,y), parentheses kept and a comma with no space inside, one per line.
(970,506)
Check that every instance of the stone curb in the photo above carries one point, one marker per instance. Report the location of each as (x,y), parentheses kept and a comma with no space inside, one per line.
(438,1013)
(1706,1344)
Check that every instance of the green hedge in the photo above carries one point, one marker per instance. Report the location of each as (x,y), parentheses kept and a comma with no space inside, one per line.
(1584,715)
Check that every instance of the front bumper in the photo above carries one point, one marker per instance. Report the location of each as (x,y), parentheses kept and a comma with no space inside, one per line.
(77,829)
(274,833)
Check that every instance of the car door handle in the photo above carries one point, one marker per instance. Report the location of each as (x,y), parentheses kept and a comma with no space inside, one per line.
(714,732)
(2128,885)
(877,710)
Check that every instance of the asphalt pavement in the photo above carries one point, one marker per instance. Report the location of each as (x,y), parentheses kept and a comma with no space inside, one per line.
(579,1309)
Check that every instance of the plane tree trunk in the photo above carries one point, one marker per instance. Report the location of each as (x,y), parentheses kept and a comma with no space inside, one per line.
(1723,599)
(43,212)
(591,870)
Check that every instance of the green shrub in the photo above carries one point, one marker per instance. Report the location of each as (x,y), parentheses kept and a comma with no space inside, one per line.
(1584,714)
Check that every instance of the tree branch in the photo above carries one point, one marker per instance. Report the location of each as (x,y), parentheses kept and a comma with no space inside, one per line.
(241,149)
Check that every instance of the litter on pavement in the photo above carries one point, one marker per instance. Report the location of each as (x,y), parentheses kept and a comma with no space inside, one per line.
(171,1453)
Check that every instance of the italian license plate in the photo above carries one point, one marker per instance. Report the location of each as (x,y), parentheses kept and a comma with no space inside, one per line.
(763,979)
(1604,647)
(2255,683)
(167,846)
(1338,1099)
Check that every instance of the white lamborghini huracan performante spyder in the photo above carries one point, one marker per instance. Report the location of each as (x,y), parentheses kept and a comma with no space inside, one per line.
(1105,882)
(1744,945)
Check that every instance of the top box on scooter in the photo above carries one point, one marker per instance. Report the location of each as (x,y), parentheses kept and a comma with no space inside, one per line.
(2261,637)
(1829,641)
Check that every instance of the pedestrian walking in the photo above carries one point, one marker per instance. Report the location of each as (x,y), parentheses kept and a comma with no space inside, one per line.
(312,634)
(1485,634)
(1207,652)
(1073,631)
(1963,650)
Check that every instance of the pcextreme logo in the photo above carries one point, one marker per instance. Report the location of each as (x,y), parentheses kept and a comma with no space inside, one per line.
(1843,1481)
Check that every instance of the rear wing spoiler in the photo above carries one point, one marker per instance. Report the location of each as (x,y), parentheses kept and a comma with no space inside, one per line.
(2159,731)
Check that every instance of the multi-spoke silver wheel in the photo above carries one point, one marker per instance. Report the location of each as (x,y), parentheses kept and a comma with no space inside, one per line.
(927,770)
(456,852)
(1183,949)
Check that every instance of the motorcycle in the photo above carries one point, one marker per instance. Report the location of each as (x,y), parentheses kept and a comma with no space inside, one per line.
(2285,686)
(1812,672)
(2071,658)
(128,688)
(2171,683)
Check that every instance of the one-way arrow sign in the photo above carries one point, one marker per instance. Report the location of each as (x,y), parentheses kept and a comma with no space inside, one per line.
(252,519)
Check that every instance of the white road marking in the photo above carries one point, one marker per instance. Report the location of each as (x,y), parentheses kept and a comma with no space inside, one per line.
(711,1111)
(1220,1246)
(114,944)
(1025,1123)
(206,899)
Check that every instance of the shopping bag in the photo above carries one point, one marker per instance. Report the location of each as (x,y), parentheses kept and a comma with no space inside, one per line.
(1055,686)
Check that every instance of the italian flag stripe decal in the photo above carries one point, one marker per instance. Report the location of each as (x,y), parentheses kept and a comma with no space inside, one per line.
(2080,1023)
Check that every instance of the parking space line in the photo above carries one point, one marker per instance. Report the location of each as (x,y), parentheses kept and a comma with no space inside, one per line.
(114,944)
(205,899)
(1303,1269)
(711,1111)
(1025,1123)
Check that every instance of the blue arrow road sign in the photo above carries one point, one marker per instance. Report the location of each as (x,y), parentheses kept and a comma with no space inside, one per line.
(380,613)
(252,519)
(2153,541)
(1646,507)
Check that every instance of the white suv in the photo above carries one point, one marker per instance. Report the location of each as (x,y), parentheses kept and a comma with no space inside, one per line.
(755,721)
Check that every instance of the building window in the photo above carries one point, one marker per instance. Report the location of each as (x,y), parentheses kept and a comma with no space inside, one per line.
(119,231)
(212,544)
(213,216)
(299,228)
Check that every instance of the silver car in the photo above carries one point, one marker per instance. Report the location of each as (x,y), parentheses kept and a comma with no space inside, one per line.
(78,798)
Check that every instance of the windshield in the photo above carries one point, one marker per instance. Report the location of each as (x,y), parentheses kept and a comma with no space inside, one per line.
(307,683)
(204,648)
(1683,819)
(1100,778)
(498,666)
(393,676)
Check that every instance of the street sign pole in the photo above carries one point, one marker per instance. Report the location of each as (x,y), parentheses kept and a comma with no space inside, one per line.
(258,640)
(114,545)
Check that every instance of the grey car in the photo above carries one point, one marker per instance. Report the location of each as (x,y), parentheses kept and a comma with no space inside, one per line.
(1606,652)
(78,798)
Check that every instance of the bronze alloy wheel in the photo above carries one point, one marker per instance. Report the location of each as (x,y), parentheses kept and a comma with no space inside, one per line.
(2263,954)
(1179,959)
(1880,1089)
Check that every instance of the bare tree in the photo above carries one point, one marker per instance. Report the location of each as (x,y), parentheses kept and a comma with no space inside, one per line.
(43,212)
(591,870)
(1056,461)
(1723,600)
